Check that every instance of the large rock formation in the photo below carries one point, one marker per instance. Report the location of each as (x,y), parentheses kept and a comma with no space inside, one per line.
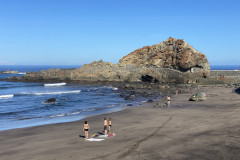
(170,61)
(172,53)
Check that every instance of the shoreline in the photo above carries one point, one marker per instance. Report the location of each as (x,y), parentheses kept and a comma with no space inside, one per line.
(188,130)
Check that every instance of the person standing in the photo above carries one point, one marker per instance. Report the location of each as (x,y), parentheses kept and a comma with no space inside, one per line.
(109,125)
(85,129)
(168,99)
(105,124)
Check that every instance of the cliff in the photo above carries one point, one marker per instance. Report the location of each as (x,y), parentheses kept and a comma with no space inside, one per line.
(172,60)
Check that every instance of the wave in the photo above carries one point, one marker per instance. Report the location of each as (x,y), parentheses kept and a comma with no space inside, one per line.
(111,87)
(22,73)
(55,84)
(64,114)
(6,96)
(47,93)
(63,92)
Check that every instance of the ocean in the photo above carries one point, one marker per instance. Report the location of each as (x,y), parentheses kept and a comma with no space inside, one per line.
(23,104)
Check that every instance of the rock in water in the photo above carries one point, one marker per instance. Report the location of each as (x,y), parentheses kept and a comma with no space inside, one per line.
(51,100)
(200,96)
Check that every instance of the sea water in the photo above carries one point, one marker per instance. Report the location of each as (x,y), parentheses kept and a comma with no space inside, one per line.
(23,104)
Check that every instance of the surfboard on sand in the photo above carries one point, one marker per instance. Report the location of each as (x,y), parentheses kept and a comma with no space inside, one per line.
(94,139)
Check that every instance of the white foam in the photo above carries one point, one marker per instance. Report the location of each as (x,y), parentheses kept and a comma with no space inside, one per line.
(64,114)
(22,73)
(63,92)
(58,115)
(6,96)
(111,87)
(55,84)
(114,88)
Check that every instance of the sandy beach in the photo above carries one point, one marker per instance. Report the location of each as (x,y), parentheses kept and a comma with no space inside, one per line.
(186,130)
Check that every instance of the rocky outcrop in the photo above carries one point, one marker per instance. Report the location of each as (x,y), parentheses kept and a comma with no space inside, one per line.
(171,61)
(172,53)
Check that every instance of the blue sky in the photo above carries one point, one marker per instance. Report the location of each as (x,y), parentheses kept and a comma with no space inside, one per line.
(75,32)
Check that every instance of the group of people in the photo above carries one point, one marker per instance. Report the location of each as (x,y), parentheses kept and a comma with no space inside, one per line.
(107,124)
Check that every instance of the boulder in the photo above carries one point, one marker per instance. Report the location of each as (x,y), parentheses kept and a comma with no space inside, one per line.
(51,100)
(160,103)
(200,96)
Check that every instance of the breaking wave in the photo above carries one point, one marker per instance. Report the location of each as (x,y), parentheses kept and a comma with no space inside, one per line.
(6,96)
(55,84)
(63,92)
(22,73)
(49,93)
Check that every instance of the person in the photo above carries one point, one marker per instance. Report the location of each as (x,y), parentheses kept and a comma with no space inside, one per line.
(85,129)
(177,92)
(105,126)
(109,125)
(168,99)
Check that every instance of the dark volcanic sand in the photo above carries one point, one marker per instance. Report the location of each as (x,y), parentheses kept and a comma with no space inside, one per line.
(187,130)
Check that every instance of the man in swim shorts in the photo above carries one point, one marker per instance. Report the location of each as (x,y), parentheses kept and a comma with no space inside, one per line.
(85,129)
(105,126)
(109,125)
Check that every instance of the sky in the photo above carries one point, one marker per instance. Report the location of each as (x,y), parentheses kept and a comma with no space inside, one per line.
(76,32)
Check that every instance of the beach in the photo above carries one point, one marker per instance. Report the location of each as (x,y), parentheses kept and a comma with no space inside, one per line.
(185,130)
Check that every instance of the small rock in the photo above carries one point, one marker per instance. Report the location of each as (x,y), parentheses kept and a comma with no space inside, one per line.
(200,96)
(51,100)
(150,101)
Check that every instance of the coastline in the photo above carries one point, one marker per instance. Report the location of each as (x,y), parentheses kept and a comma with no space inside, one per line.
(187,130)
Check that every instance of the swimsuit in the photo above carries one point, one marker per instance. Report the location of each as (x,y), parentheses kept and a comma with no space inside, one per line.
(105,127)
(110,125)
(86,129)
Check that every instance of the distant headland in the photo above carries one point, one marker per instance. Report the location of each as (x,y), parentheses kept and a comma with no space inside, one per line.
(9,72)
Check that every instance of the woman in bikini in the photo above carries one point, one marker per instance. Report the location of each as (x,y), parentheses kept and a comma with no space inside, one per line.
(168,99)
(85,129)
(105,123)
(109,125)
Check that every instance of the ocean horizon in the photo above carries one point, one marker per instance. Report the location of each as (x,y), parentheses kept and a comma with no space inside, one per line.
(37,68)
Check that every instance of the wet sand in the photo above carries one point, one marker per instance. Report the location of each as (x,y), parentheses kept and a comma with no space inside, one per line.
(186,130)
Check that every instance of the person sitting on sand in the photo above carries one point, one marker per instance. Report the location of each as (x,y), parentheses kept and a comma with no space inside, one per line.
(85,129)
(109,125)
(105,123)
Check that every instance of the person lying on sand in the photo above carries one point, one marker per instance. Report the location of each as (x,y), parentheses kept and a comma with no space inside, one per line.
(85,129)
(105,123)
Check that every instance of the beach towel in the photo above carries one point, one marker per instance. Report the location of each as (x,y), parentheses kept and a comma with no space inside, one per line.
(94,139)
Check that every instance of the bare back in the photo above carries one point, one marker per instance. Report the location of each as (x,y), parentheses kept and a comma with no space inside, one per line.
(105,123)
(86,126)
